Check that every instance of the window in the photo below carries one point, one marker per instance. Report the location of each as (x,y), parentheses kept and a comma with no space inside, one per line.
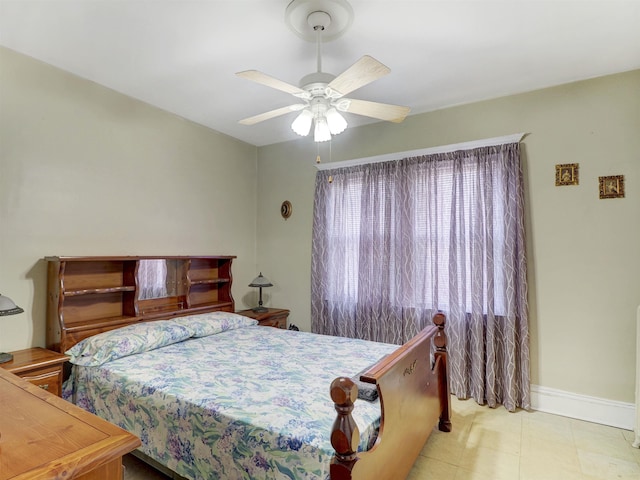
(425,240)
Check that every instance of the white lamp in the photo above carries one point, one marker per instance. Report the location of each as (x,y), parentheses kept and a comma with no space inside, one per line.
(337,123)
(7,307)
(321,132)
(328,121)
(302,124)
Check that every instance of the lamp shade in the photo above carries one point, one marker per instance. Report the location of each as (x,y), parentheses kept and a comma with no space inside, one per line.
(7,307)
(337,123)
(321,133)
(260,281)
(302,124)
(323,114)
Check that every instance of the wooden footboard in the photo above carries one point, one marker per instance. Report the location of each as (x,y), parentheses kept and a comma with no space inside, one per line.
(414,397)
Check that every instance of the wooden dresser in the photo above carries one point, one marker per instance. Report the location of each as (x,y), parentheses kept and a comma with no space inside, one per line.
(45,437)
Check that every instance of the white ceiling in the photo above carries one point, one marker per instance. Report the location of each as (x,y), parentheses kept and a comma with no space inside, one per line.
(181,56)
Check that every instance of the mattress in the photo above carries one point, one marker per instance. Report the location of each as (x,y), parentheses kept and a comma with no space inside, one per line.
(244,403)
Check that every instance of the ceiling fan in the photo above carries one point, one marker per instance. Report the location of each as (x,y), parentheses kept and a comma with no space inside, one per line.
(321,95)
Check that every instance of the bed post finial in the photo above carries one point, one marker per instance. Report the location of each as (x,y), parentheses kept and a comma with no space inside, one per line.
(440,341)
(345,435)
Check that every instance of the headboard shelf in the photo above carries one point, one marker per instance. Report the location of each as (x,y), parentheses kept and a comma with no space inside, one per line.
(97,291)
(88,294)
(210,280)
(102,323)
(181,312)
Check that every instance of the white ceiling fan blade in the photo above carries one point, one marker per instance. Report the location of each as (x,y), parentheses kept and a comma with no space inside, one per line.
(271,114)
(364,71)
(269,81)
(381,111)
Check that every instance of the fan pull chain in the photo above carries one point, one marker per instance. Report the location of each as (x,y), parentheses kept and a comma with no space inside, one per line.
(330,142)
(330,154)
(330,176)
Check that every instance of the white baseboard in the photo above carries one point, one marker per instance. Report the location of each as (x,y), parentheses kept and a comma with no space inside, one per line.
(583,407)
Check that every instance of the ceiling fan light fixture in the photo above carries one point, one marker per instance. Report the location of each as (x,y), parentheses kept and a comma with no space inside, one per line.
(321,132)
(323,94)
(336,122)
(302,124)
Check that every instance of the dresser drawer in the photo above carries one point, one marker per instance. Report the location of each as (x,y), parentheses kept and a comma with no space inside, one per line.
(49,379)
(278,322)
(269,317)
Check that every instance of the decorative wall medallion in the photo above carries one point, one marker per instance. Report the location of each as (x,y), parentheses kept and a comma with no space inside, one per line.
(285,209)
(567,174)
(611,187)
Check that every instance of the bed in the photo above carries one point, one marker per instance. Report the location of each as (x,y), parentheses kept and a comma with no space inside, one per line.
(270,415)
(212,395)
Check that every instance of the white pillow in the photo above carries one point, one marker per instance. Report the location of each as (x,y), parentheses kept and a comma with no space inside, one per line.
(129,340)
(204,324)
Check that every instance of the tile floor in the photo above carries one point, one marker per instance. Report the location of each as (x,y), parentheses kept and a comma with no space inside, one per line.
(493,444)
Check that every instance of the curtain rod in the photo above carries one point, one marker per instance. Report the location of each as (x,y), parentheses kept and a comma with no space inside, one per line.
(485,142)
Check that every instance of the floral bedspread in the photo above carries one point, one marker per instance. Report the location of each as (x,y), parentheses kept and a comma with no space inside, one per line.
(249,403)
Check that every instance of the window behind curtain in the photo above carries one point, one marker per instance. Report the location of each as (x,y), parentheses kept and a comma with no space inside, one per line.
(430,209)
(394,242)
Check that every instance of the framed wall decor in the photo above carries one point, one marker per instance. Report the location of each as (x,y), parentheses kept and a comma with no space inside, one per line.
(611,187)
(567,174)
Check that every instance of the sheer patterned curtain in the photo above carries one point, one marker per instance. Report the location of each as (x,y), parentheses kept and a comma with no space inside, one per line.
(152,278)
(394,242)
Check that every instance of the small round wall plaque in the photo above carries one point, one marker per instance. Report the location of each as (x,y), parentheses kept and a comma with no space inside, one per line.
(285,209)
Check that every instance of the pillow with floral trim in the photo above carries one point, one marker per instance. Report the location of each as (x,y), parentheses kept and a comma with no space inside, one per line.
(204,324)
(129,340)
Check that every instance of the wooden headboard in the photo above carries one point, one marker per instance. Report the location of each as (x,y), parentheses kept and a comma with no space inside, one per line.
(90,295)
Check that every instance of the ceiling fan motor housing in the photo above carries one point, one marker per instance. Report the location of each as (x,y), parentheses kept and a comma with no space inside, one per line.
(319,106)
(316,83)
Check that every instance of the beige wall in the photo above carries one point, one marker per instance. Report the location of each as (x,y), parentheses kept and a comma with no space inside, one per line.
(87,171)
(583,252)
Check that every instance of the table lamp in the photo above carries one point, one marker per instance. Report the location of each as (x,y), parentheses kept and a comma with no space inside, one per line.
(7,307)
(260,282)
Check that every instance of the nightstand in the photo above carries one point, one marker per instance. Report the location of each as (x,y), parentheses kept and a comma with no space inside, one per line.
(38,366)
(273,317)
